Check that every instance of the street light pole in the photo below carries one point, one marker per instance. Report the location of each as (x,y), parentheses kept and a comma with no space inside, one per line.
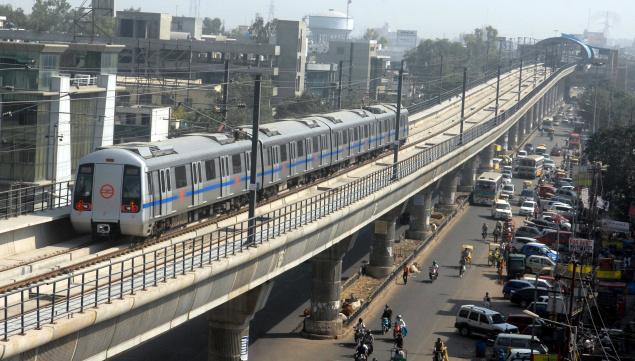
(498,83)
(397,121)
(440,78)
(520,79)
(463,104)
(253,186)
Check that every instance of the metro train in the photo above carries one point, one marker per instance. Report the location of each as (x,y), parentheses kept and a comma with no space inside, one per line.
(143,189)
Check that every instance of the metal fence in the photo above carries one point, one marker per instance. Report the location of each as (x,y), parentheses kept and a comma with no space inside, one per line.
(44,302)
(29,199)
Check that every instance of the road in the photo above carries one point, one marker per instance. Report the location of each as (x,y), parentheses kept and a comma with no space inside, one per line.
(428,308)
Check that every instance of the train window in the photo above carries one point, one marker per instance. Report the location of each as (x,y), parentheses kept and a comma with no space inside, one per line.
(269,156)
(316,144)
(300,148)
(324,145)
(366,131)
(345,139)
(167,178)
(200,177)
(356,133)
(179,176)
(283,152)
(236,164)
(131,183)
(210,170)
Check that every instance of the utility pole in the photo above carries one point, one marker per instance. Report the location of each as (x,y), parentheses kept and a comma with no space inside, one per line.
(253,185)
(498,84)
(463,104)
(594,126)
(397,121)
(535,67)
(339,86)
(572,295)
(520,78)
(440,78)
(545,65)
(225,89)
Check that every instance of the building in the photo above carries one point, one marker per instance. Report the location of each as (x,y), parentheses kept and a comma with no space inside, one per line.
(322,80)
(55,107)
(327,27)
(186,28)
(141,123)
(291,37)
(356,56)
(142,25)
(398,42)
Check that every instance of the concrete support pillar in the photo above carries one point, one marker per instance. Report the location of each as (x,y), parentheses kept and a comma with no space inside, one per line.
(447,188)
(229,324)
(326,289)
(381,255)
(503,141)
(420,213)
(521,128)
(512,137)
(468,176)
(105,122)
(485,159)
(59,134)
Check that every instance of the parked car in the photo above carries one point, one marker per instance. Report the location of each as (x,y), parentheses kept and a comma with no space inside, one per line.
(540,282)
(522,321)
(539,249)
(480,320)
(566,193)
(527,208)
(521,154)
(541,224)
(524,296)
(536,263)
(552,239)
(528,231)
(560,221)
(519,242)
(501,210)
(521,354)
(506,342)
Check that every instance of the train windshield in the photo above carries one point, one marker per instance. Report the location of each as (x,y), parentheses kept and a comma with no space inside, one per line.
(131,192)
(84,188)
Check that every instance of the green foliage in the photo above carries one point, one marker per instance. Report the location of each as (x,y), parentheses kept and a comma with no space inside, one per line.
(614,147)
(16,18)
(212,26)
(303,105)
(51,15)
(619,104)
(260,31)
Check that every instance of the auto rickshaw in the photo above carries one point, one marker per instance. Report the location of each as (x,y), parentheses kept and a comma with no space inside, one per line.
(493,254)
(466,252)
(528,184)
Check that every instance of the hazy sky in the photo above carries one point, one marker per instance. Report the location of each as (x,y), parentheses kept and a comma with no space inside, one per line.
(432,18)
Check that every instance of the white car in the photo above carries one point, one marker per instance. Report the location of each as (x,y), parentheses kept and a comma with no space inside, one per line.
(501,210)
(536,263)
(509,190)
(564,224)
(521,154)
(527,208)
(507,178)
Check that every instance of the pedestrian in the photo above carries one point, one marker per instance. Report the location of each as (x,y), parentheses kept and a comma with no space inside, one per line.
(487,300)
(406,271)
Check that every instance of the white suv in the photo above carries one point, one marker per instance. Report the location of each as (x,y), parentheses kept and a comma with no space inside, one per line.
(481,320)
(501,210)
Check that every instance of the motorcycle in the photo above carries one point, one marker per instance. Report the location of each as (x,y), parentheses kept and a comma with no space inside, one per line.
(359,335)
(433,273)
(385,325)
(484,235)
(461,270)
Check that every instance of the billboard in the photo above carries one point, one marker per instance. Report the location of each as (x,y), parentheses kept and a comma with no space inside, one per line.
(580,245)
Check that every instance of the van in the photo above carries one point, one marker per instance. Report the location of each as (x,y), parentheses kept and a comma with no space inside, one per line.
(505,341)
(474,319)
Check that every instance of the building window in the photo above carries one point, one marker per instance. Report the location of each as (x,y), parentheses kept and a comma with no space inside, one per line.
(131,119)
(297,84)
(145,98)
(145,119)
(340,50)
(299,64)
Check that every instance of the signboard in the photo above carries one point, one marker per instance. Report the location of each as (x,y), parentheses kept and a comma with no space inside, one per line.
(107,191)
(609,225)
(609,275)
(580,245)
(244,347)
(546,357)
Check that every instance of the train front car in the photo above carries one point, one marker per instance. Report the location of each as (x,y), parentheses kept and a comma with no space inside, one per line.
(108,194)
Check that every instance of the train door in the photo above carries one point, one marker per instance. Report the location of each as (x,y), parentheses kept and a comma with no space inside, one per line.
(107,192)
(197,181)
(225,189)
(275,164)
(309,154)
(166,191)
(293,162)
(247,171)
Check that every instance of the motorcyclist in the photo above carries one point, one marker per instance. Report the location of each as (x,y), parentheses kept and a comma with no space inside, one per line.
(399,341)
(462,266)
(484,230)
(387,313)
(369,341)
(362,349)
(360,325)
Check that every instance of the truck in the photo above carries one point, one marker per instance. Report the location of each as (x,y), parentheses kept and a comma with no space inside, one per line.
(515,265)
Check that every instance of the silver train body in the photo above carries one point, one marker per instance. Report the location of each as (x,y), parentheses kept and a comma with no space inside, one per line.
(141,189)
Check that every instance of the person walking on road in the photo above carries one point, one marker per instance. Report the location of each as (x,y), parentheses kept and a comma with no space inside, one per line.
(487,300)
(406,272)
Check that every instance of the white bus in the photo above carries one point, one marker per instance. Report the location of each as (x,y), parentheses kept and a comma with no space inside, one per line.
(530,166)
(487,188)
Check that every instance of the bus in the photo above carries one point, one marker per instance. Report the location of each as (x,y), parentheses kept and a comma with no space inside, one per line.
(487,188)
(574,141)
(530,166)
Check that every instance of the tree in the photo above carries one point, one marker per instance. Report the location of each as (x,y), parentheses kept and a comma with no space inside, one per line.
(15,17)
(303,105)
(212,26)
(614,147)
(51,15)
(260,31)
